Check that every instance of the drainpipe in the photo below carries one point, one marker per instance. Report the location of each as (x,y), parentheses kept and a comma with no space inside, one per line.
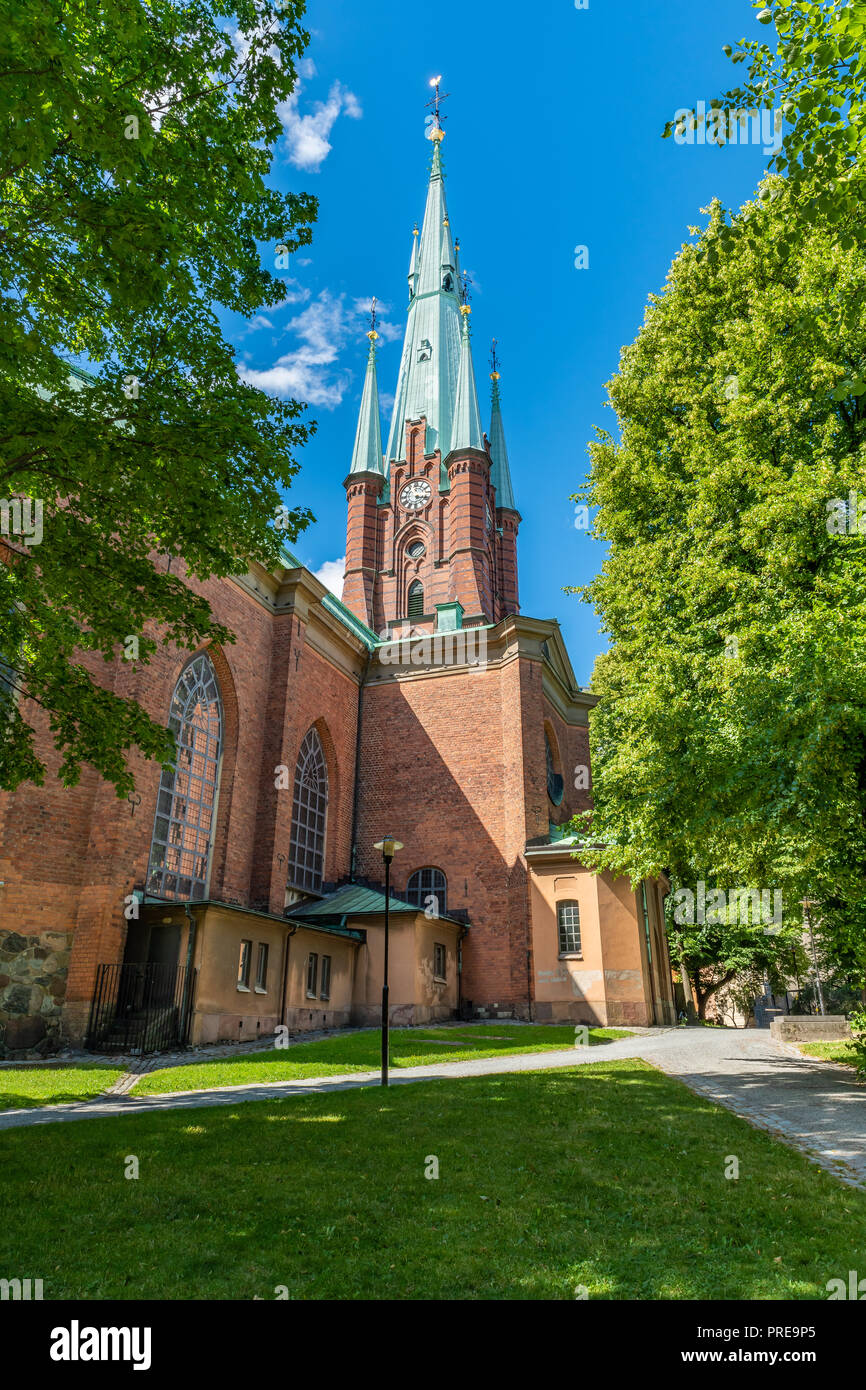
(289,935)
(356,788)
(187,982)
(464,931)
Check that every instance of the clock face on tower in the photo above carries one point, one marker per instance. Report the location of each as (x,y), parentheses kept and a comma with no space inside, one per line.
(415,495)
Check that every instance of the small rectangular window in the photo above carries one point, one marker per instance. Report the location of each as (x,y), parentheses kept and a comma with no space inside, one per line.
(568,915)
(325,990)
(262,968)
(244,964)
(439,961)
(312,975)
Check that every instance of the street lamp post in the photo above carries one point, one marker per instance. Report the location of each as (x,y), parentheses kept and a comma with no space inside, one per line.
(389,847)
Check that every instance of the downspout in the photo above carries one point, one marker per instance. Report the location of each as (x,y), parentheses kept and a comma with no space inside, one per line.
(464,931)
(289,935)
(187,982)
(357,786)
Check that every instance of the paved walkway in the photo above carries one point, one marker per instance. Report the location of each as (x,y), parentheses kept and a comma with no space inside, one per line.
(815,1106)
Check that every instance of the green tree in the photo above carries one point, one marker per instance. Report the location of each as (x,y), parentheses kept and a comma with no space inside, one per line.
(134,205)
(730,732)
(815,76)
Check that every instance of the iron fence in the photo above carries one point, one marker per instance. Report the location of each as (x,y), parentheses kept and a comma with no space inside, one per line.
(140,1007)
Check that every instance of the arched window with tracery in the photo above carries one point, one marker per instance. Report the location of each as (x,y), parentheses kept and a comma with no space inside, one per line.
(309,816)
(427,888)
(186,802)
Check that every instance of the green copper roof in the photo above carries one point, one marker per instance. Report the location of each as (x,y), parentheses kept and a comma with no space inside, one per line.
(352,900)
(430,365)
(500,473)
(367,455)
(466,431)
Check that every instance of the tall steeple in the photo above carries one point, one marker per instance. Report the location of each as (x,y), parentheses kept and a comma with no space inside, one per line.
(500,472)
(367,455)
(431,536)
(427,384)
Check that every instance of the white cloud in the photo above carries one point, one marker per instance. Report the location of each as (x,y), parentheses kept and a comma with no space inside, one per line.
(331,574)
(311,371)
(307,137)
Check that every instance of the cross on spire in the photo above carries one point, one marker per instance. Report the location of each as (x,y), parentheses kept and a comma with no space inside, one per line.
(494,361)
(465,282)
(435,121)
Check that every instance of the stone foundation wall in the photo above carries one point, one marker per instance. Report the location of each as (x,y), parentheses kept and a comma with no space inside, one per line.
(33,971)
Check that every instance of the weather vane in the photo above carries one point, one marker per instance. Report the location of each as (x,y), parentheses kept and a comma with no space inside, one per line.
(465,282)
(374,321)
(494,361)
(434,122)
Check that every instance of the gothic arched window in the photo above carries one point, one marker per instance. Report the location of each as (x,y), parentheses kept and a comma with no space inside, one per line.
(309,816)
(427,888)
(186,802)
(415,608)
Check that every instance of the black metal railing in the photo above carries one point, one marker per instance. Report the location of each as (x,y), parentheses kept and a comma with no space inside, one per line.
(144,1007)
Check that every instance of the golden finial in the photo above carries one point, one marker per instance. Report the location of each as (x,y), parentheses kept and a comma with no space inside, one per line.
(373,335)
(494,362)
(465,309)
(415,231)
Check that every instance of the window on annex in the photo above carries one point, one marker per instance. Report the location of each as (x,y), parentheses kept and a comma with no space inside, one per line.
(312,974)
(439,958)
(244,964)
(568,917)
(325,981)
(262,969)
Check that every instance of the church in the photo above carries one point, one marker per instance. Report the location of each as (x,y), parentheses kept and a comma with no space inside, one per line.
(240,892)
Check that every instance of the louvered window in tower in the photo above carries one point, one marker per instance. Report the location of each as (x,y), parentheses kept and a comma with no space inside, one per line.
(416,600)
(310,813)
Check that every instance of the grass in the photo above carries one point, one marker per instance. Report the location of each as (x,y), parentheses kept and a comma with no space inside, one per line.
(51,1085)
(608,1176)
(840,1051)
(348,1052)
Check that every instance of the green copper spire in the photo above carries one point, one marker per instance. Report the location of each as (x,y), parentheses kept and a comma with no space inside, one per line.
(427,384)
(466,432)
(367,457)
(500,472)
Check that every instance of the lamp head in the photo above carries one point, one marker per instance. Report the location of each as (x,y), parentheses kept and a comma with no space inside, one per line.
(389,846)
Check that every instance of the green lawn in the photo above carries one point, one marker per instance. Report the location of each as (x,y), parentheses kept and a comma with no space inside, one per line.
(25,1086)
(608,1176)
(840,1051)
(347,1052)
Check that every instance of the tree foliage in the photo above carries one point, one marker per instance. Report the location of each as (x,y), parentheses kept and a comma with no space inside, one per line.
(815,76)
(134,207)
(729,740)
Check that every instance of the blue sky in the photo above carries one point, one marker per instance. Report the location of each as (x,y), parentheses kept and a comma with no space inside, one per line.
(553,142)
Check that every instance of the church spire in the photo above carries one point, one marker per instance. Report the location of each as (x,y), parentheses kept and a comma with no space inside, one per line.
(367,456)
(466,432)
(427,384)
(500,472)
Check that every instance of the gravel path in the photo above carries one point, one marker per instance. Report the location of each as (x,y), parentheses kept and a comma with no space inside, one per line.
(816,1106)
